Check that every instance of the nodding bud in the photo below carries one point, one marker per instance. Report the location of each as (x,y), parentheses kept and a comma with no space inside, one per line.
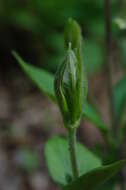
(68,89)
(72,34)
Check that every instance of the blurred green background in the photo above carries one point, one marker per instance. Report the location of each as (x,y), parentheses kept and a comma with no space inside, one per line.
(35,29)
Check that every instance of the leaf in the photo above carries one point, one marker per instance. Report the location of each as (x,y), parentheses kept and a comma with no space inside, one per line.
(44,82)
(40,77)
(120,98)
(92,115)
(58,159)
(96,177)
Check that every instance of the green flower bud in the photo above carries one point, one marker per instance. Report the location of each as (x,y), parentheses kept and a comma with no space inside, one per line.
(72,34)
(68,89)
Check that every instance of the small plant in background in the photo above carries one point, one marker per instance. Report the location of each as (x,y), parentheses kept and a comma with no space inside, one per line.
(70,163)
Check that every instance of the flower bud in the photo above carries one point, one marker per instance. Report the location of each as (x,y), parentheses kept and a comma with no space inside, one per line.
(68,89)
(72,34)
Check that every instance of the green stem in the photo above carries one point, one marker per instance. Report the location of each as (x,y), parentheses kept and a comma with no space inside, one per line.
(73,155)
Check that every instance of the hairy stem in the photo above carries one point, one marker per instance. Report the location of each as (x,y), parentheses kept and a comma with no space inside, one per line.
(73,155)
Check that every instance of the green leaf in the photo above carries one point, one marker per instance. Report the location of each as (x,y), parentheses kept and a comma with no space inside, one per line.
(96,177)
(120,98)
(92,115)
(41,78)
(58,160)
(44,82)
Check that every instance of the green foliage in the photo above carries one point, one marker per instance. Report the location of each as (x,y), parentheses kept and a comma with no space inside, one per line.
(44,81)
(95,178)
(45,19)
(41,78)
(58,160)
